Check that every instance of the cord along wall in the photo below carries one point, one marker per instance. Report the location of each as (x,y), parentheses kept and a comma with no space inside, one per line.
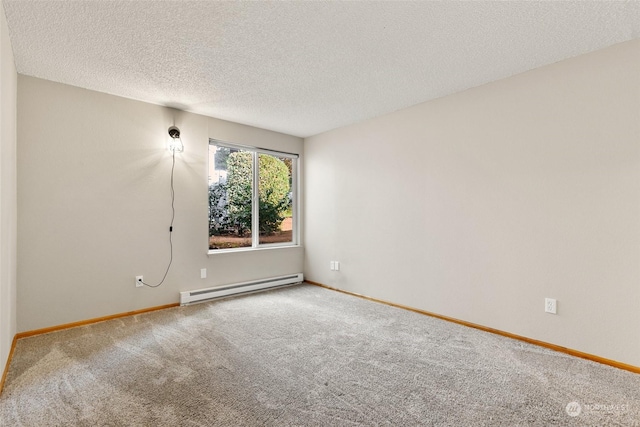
(175,146)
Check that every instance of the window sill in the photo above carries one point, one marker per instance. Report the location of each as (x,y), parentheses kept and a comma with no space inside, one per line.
(239,250)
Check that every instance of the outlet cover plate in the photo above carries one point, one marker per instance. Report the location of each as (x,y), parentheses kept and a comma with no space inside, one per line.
(550,305)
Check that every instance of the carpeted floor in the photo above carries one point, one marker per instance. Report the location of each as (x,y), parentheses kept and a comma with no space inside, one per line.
(303,356)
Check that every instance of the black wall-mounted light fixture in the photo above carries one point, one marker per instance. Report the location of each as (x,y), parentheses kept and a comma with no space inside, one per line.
(175,143)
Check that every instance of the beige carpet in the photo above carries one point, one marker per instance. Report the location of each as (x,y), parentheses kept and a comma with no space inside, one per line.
(304,356)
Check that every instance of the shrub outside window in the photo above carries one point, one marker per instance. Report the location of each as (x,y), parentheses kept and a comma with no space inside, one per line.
(252,197)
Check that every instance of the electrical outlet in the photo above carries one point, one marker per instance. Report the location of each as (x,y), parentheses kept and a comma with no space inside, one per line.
(550,305)
(139,281)
(203,273)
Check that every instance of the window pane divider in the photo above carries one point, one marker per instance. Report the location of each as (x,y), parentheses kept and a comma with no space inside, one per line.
(255,202)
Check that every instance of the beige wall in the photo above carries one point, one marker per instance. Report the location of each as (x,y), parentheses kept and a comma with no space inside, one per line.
(481,204)
(94,205)
(8,84)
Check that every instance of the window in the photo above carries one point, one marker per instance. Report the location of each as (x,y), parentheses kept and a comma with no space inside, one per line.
(252,197)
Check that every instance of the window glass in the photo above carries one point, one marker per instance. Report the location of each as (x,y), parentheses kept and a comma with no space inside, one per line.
(230,195)
(276,199)
(251,197)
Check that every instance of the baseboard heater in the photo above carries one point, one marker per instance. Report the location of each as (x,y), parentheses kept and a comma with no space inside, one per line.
(201,295)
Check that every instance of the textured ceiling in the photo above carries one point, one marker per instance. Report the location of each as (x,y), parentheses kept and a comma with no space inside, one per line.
(302,67)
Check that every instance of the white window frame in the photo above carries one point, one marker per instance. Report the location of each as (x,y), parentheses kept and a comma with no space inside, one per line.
(255,200)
